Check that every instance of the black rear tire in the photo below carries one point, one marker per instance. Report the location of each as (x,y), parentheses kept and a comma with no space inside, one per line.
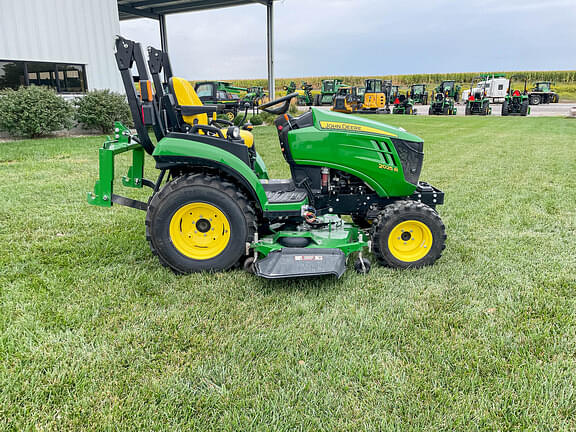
(388,222)
(205,190)
(504,108)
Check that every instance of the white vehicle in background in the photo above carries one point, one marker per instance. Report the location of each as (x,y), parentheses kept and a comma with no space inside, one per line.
(495,85)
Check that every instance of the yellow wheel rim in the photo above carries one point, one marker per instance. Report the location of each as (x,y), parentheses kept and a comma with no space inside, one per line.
(230,115)
(199,231)
(410,241)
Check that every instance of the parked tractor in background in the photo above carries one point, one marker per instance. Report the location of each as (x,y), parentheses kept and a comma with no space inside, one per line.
(542,93)
(348,100)
(477,102)
(329,89)
(305,97)
(221,93)
(394,93)
(418,94)
(450,89)
(442,105)
(405,105)
(290,88)
(495,87)
(376,97)
(516,101)
(254,97)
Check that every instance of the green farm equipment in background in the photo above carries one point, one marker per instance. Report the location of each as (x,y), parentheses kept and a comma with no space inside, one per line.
(213,206)
(305,98)
(418,94)
(516,102)
(442,105)
(254,97)
(290,88)
(450,89)
(329,89)
(221,93)
(405,105)
(542,93)
(478,103)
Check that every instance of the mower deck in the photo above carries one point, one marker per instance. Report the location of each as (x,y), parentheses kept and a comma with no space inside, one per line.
(301,262)
(308,250)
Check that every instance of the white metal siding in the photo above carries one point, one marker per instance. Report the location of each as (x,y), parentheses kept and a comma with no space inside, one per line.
(67,31)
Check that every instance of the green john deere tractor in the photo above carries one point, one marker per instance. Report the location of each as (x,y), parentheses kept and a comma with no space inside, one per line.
(222,93)
(213,206)
(254,97)
(516,101)
(450,89)
(542,93)
(305,98)
(329,89)
(418,94)
(478,103)
(442,105)
(405,105)
(290,88)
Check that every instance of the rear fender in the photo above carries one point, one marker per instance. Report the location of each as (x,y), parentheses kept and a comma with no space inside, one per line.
(179,153)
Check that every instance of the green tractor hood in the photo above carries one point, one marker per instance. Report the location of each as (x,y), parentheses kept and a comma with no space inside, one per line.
(334,121)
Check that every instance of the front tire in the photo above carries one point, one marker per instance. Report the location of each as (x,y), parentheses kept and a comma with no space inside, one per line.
(199,223)
(408,234)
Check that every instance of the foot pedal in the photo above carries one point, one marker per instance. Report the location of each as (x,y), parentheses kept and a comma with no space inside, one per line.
(301,262)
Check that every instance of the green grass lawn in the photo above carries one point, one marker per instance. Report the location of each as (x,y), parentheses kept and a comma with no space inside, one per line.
(95,334)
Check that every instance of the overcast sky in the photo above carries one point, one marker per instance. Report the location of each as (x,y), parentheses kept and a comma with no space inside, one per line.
(369,37)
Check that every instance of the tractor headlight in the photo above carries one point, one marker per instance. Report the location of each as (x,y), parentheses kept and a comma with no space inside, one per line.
(234,132)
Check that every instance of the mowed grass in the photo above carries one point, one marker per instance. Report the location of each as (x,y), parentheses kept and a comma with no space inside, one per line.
(95,334)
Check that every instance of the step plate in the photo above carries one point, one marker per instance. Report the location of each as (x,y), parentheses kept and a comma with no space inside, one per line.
(275,197)
(301,262)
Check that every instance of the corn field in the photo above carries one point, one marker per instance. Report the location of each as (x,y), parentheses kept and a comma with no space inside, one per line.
(558,77)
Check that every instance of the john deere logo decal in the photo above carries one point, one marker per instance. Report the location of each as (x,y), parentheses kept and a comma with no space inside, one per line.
(352,128)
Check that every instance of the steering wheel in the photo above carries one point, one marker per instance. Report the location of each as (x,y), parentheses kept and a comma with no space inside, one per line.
(282,109)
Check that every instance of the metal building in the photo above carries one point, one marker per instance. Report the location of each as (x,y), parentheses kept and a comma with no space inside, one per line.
(67,44)
(64,44)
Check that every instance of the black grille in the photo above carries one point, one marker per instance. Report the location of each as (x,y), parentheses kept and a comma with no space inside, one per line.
(411,156)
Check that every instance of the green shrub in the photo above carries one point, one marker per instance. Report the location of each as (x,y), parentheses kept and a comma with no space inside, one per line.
(34,111)
(267,118)
(293,109)
(99,109)
(238,120)
(256,120)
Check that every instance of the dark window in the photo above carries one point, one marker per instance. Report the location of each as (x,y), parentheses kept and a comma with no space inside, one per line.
(71,78)
(12,75)
(42,74)
(64,78)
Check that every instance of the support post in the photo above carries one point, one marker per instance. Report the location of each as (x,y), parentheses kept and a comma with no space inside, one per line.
(163,40)
(270,40)
(163,35)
